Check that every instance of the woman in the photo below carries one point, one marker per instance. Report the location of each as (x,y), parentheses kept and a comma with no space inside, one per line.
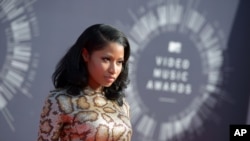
(88,102)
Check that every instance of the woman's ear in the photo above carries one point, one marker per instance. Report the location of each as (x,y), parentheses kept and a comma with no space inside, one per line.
(85,55)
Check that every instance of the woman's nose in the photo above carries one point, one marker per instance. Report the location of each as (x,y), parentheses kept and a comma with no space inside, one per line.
(112,68)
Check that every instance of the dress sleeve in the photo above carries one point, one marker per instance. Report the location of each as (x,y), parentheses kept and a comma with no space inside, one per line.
(50,122)
(126,107)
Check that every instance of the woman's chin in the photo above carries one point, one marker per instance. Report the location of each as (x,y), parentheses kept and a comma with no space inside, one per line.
(107,84)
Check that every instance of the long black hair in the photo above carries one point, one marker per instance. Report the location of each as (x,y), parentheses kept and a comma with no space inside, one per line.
(71,72)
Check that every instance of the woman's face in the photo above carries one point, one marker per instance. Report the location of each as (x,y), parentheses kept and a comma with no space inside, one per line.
(104,65)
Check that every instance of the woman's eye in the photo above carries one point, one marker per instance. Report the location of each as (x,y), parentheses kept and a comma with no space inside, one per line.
(120,62)
(105,59)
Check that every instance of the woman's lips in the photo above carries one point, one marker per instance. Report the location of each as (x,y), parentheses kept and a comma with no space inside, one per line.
(110,78)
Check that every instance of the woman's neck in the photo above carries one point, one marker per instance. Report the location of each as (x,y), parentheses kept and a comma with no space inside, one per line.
(96,88)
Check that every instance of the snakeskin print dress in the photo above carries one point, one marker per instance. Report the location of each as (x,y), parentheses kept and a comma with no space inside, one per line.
(86,117)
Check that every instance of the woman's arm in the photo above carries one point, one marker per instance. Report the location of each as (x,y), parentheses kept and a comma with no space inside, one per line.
(50,122)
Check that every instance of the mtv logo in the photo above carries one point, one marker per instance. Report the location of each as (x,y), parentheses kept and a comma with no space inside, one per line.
(174,47)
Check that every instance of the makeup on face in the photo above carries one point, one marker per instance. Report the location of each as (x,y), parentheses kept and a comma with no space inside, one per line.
(105,65)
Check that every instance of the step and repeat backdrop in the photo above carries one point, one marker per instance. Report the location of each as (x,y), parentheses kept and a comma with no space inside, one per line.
(189,65)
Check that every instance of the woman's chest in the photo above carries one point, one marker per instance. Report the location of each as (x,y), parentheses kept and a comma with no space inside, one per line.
(95,117)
